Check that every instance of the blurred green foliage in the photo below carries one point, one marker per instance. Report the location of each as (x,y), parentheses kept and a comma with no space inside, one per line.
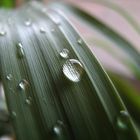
(7,3)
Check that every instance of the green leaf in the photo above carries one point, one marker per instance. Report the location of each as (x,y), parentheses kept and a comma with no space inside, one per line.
(7,3)
(54,86)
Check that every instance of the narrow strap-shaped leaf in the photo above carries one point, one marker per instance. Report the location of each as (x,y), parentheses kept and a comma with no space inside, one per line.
(55,87)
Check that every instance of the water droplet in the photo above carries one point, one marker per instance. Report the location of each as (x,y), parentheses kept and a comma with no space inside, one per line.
(28,22)
(20,50)
(14,115)
(9,77)
(60,122)
(73,70)
(57,130)
(57,21)
(42,30)
(2,33)
(79,41)
(122,120)
(64,53)
(27,101)
(23,84)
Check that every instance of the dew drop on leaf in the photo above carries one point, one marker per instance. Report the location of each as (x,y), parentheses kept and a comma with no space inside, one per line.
(79,41)
(9,77)
(28,22)
(122,120)
(64,53)
(2,33)
(14,115)
(23,84)
(57,129)
(20,50)
(27,101)
(73,69)
(42,30)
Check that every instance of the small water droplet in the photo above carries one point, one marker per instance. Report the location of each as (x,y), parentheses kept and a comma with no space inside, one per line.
(30,98)
(60,122)
(122,120)
(79,41)
(73,70)
(20,50)
(23,84)
(28,22)
(42,30)
(9,77)
(14,115)
(27,101)
(57,130)
(64,53)
(2,33)
(57,21)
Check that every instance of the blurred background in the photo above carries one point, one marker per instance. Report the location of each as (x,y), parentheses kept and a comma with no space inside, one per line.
(121,16)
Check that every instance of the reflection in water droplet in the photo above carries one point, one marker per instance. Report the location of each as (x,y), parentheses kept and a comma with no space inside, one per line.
(23,84)
(122,120)
(2,33)
(64,53)
(28,22)
(42,30)
(20,50)
(79,41)
(73,70)
(27,101)
(9,77)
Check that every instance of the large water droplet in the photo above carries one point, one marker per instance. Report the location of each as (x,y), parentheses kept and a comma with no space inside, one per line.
(20,50)
(73,70)
(2,32)
(9,77)
(42,30)
(64,53)
(122,120)
(23,84)
(28,22)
